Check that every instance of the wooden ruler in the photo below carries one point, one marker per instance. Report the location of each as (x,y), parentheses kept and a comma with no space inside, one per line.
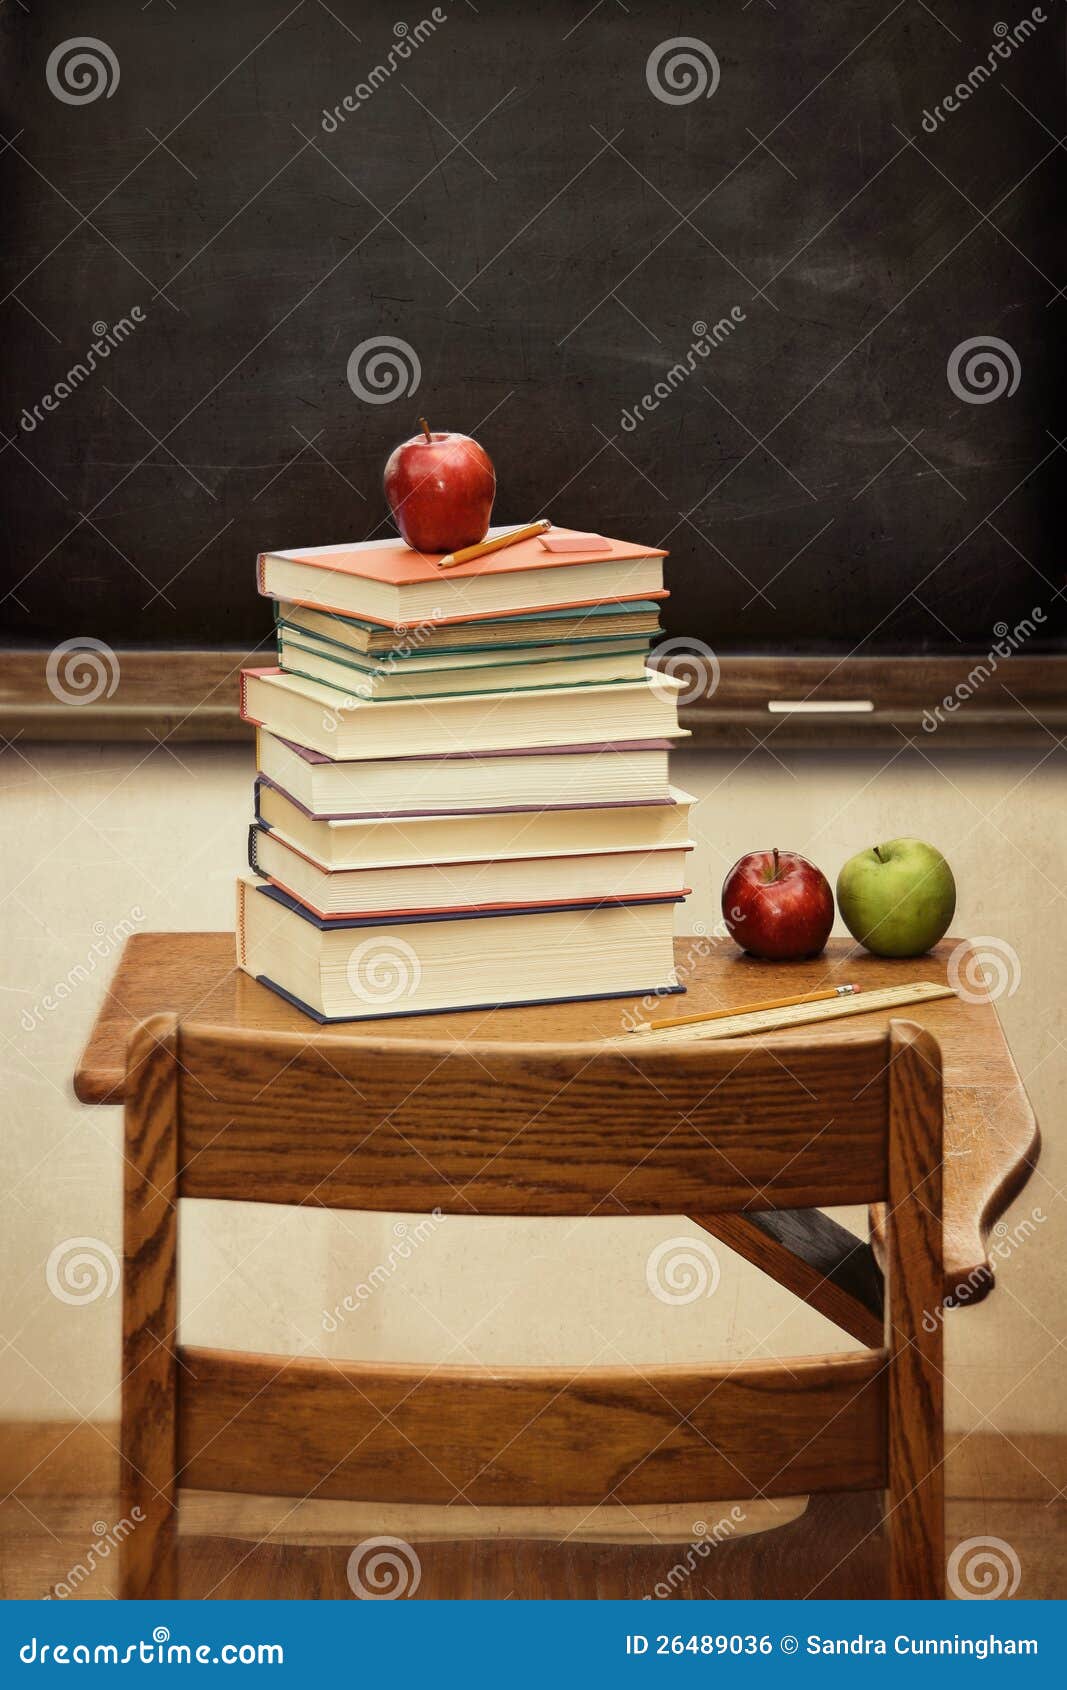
(747,1022)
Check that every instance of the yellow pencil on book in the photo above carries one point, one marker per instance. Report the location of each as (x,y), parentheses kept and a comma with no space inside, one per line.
(496,544)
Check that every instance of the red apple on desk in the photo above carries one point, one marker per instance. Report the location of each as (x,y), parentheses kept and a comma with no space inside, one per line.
(778,906)
(440,489)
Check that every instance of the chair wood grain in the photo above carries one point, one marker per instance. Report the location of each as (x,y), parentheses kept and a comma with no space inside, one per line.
(523,1129)
(991,1135)
(915,1493)
(150,1312)
(817,1258)
(527,1128)
(519,1436)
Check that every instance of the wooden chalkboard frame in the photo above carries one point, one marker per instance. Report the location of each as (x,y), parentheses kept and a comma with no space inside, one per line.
(852,703)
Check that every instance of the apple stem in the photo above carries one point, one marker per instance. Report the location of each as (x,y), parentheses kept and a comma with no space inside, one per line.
(879,855)
(424,425)
(774,854)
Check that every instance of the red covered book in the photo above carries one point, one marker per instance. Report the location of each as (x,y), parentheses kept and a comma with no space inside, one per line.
(386,582)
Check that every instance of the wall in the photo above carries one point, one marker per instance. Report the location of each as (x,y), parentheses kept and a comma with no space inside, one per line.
(95,837)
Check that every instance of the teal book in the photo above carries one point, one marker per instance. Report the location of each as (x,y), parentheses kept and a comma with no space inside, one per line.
(411,674)
(587,625)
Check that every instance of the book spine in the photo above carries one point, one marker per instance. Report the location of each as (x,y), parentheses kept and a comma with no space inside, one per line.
(478,615)
(242,954)
(243,705)
(253,833)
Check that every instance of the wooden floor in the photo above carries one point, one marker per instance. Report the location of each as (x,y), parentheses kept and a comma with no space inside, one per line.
(834,1549)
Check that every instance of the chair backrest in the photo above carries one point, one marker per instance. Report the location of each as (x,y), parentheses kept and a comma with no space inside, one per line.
(632,1128)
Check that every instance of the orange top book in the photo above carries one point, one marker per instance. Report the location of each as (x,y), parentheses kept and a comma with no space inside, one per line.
(385,581)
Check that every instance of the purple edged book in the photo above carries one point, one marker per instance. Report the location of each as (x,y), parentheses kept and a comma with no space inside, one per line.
(523,778)
(367,968)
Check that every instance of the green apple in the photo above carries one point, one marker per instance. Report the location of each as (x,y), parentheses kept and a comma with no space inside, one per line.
(897,899)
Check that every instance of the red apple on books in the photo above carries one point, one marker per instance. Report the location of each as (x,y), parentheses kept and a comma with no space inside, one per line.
(778,906)
(440,489)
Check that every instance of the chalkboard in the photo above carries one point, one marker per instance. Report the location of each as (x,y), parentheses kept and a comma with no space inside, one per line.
(775,286)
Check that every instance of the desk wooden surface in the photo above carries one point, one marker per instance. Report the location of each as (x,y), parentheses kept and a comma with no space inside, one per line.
(991,1136)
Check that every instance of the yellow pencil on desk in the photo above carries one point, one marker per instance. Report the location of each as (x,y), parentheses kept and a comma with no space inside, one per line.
(751,1008)
(468,553)
(796,1012)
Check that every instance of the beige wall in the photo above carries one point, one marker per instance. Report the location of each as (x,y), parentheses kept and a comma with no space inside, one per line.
(97,836)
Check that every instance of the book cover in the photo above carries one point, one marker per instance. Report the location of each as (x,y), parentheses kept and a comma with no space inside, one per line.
(309,756)
(576,624)
(390,561)
(474,810)
(328,923)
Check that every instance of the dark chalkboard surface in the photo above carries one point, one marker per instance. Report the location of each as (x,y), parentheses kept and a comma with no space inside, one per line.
(550,207)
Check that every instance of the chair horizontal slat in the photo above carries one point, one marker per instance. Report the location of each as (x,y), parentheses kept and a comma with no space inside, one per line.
(532,1129)
(296,1427)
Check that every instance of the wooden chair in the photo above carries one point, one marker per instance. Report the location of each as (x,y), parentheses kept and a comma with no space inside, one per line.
(497,1129)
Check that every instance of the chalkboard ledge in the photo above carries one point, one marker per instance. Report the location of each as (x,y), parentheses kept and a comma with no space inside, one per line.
(737,702)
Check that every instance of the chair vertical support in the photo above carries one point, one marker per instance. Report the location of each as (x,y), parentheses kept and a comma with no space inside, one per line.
(150,1312)
(914,1310)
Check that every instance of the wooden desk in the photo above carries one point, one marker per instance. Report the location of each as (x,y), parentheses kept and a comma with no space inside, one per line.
(991,1136)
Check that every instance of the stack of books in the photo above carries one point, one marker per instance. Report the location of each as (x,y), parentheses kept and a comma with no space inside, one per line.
(462,797)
